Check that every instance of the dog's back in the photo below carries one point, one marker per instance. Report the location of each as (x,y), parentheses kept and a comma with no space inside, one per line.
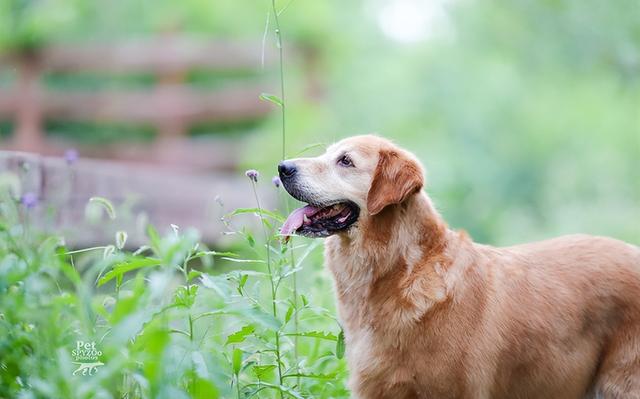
(567,313)
(553,319)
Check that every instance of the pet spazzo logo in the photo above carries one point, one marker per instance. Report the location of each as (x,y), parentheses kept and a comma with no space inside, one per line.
(87,357)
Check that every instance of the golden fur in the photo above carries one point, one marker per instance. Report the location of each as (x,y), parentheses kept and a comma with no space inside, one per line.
(428,313)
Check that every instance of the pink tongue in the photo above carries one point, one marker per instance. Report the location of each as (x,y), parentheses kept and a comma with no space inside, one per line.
(296,219)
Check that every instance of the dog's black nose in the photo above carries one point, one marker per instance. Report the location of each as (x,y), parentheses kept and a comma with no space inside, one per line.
(287,169)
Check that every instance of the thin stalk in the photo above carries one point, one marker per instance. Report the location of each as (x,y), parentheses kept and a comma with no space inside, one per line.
(193,367)
(294,278)
(185,273)
(281,62)
(184,269)
(295,309)
(273,286)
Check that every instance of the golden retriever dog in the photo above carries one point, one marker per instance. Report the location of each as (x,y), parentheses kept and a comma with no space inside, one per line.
(428,313)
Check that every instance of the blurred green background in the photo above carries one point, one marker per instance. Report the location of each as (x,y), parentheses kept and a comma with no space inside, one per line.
(525,113)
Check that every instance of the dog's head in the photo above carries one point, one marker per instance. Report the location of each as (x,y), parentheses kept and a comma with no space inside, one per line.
(355,178)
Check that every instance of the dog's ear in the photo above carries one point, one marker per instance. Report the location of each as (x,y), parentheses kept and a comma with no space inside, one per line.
(396,177)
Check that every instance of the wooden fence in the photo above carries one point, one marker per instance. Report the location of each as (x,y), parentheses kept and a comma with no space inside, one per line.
(173,180)
(170,105)
(141,194)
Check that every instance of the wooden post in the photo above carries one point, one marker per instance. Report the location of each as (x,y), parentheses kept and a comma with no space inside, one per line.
(172,130)
(28,134)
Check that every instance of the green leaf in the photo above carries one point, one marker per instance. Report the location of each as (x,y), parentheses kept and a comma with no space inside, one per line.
(214,253)
(236,360)
(251,240)
(316,376)
(340,345)
(271,98)
(258,211)
(242,282)
(50,243)
(71,273)
(315,334)
(315,244)
(288,271)
(154,238)
(193,274)
(122,268)
(105,204)
(217,283)
(263,318)
(243,260)
(186,296)
(263,372)
(236,275)
(267,223)
(281,388)
(287,316)
(203,388)
(239,336)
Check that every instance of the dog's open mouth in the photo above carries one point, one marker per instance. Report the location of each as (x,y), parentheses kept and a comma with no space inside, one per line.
(316,221)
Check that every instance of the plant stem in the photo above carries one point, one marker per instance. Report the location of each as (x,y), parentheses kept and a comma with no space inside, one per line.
(274,292)
(294,279)
(85,250)
(193,367)
(281,61)
(276,14)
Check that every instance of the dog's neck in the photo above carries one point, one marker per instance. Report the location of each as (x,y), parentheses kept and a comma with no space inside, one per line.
(402,251)
(412,230)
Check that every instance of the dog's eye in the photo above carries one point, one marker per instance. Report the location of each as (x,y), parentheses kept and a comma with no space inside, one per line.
(345,161)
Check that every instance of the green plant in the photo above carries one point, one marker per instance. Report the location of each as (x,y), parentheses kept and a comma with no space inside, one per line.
(163,320)
(167,321)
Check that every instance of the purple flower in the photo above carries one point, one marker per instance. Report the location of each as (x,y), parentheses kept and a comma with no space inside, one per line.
(71,156)
(29,200)
(276,181)
(252,174)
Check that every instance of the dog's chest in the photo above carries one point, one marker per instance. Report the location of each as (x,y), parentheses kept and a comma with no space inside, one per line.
(388,349)
(385,364)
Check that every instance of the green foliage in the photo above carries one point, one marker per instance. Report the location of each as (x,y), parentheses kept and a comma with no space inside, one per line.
(525,113)
(26,24)
(526,116)
(167,325)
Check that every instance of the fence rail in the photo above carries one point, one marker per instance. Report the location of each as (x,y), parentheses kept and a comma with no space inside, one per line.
(170,105)
(140,193)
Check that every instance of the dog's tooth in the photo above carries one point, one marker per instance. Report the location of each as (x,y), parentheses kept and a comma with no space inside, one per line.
(305,219)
